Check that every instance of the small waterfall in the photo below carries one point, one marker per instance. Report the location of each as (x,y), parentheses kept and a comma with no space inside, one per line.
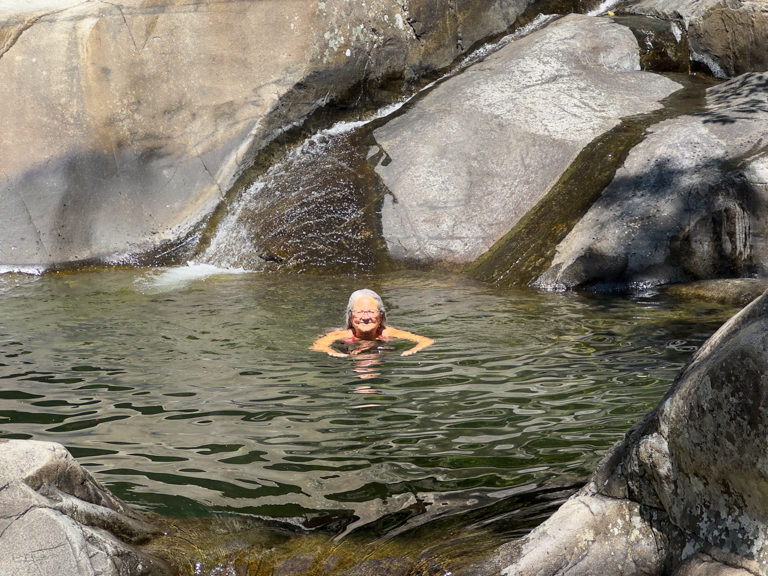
(317,205)
(605,6)
(311,210)
(537,23)
(711,65)
(736,231)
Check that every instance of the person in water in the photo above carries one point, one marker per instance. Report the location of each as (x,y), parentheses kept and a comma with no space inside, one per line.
(366,324)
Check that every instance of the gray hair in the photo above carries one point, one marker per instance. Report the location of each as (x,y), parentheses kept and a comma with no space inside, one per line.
(365,292)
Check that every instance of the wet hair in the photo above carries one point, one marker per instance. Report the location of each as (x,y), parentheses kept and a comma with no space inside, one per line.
(365,292)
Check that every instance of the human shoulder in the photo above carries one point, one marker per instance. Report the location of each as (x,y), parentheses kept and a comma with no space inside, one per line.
(390,332)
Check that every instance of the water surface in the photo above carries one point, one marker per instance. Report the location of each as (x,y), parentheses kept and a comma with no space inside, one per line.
(191,391)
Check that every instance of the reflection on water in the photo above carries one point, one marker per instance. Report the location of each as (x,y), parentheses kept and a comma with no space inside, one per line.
(191,394)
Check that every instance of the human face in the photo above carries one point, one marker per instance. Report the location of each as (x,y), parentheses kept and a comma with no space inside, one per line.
(365,318)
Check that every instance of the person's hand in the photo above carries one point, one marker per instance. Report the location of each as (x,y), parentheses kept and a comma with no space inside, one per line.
(336,354)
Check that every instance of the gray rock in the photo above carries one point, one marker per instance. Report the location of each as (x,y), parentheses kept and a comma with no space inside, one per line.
(590,534)
(704,565)
(55,518)
(467,161)
(725,37)
(687,204)
(685,492)
(126,123)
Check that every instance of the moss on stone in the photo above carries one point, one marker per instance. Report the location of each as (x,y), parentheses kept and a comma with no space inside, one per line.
(527,250)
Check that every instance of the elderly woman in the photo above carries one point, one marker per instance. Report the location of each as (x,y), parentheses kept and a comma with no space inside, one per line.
(366,322)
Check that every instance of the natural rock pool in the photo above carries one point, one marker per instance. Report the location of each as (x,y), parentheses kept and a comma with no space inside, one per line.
(191,391)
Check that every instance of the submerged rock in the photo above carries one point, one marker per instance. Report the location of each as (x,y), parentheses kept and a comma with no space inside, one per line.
(686,490)
(735,291)
(688,203)
(56,519)
(471,158)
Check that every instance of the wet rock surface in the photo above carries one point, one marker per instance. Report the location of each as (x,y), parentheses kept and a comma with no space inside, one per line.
(725,38)
(685,491)
(56,519)
(312,212)
(738,291)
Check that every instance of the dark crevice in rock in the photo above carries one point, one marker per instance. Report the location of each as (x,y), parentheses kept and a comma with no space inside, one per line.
(16,33)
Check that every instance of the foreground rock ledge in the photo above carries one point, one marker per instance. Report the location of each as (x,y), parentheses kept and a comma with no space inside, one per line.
(685,492)
(55,518)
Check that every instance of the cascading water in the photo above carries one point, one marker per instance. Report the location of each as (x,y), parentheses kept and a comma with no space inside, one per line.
(312,211)
(316,209)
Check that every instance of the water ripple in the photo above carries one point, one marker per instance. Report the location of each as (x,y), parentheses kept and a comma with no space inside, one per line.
(192,395)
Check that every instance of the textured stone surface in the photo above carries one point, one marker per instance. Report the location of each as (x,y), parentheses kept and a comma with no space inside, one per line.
(688,203)
(589,534)
(466,162)
(56,519)
(125,123)
(704,565)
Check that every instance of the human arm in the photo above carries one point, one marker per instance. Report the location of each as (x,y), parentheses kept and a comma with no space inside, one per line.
(421,341)
(325,343)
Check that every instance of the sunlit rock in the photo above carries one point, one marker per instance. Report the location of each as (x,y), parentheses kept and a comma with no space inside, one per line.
(686,489)
(124,124)
(56,519)
(467,161)
(688,203)
(725,38)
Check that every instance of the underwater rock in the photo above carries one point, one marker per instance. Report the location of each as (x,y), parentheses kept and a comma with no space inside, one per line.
(688,203)
(686,489)
(126,123)
(472,157)
(733,291)
(57,519)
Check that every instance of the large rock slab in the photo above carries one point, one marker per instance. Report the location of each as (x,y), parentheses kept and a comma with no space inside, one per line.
(686,490)
(126,123)
(56,519)
(468,160)
(689,202)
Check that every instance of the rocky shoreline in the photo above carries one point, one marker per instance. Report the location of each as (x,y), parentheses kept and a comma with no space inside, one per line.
(128,124)
(683,490)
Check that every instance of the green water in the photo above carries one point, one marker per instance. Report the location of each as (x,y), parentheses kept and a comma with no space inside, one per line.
(190,394)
